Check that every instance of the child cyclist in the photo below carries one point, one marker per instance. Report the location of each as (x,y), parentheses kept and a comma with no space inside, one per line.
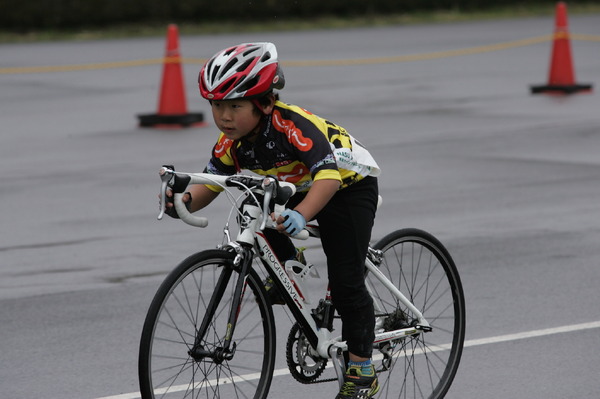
(334,176)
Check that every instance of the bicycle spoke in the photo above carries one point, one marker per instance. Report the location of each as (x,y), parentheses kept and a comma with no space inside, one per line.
(422,365)
(176,363)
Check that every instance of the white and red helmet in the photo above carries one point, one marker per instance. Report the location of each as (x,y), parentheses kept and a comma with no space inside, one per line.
(247,70)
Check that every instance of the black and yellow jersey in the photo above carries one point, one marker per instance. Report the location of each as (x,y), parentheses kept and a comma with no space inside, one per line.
(298,147)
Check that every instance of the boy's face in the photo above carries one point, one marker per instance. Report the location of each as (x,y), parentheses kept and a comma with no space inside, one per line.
(235,118)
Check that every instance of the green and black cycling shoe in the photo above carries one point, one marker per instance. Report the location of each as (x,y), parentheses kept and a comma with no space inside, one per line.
(358,384)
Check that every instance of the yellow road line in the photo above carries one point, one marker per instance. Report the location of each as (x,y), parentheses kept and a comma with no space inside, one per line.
(80,67)
(591,38)
(306,63)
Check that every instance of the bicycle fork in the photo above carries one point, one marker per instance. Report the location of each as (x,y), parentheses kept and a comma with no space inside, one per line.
(241,262)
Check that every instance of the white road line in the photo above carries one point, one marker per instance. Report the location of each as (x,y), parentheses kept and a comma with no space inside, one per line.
(532,334)
(468,343)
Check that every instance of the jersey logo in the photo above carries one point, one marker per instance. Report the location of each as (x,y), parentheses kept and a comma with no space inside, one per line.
(222,146)
(293,176)
(293,134)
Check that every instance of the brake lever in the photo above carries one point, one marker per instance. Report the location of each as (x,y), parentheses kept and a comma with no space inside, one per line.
(268,185)
(165,175)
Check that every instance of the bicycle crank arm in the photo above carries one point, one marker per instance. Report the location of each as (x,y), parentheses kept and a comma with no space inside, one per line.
(339,364)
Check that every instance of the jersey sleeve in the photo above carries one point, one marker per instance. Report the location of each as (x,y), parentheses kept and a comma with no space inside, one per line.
(328,174)
(221,161)
(307,135)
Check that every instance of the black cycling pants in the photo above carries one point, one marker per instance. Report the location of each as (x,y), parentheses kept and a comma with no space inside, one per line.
(345,223)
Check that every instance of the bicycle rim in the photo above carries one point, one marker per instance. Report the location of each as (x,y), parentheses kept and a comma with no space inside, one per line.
(167,370)
(424,365)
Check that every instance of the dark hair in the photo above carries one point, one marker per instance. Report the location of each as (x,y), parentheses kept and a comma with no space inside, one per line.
(265,100)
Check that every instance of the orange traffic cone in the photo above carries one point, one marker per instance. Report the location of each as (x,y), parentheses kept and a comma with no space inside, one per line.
(562,76)
(172,107)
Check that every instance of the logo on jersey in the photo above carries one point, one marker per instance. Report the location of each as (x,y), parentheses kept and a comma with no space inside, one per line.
(293,176)
(293,134)
(328,160)
(222,146)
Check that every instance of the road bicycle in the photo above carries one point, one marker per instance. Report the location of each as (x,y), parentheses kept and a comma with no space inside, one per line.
(210,329)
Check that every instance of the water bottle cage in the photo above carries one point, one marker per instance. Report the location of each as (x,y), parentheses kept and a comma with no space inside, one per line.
(297,272)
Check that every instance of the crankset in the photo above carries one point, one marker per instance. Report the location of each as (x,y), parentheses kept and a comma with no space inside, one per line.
(304,364)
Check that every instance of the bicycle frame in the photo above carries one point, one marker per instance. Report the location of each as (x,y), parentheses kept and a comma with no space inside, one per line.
(251,242)
(320,338)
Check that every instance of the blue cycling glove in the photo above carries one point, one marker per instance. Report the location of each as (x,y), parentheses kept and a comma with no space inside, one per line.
(293,221)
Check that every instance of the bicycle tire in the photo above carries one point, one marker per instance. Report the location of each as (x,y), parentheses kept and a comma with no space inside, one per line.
(166,369)
(423,365)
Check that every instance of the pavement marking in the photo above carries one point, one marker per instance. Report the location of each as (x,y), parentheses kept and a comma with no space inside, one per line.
(467,344)
(589,38)
(305,63)
(80,67)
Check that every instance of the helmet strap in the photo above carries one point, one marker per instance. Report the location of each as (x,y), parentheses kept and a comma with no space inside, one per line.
(258,105)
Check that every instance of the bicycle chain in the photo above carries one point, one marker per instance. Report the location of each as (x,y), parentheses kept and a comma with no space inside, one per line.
(297,344)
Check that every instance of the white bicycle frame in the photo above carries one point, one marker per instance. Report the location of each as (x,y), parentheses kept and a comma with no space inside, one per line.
(253,219)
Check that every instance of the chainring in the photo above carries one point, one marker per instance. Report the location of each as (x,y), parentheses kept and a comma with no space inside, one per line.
(304,366)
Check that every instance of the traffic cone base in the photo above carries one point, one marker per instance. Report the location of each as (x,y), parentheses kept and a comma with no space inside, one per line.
(561,89)
(561,79)
(172,120)
(172,108)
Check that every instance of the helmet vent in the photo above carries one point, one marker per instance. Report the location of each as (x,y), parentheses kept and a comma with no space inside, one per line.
(214,73)
(248,85)
(249,51)
(209,64)
(266,56)
(245,65)
(227,85)
(230,64)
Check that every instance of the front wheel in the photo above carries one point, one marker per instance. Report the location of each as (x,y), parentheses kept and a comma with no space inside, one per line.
(422,365)
(176,361)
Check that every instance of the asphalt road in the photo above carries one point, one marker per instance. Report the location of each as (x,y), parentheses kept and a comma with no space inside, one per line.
(509,181)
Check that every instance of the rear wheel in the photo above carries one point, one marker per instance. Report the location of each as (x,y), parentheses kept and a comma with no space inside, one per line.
(422,365)
(174,363)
